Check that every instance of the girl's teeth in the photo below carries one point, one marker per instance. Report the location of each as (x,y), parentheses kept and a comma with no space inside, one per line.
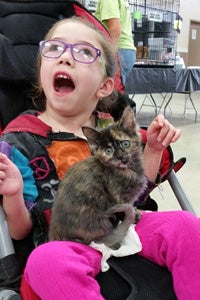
(63,76)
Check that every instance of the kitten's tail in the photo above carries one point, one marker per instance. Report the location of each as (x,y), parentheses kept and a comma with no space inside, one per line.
(121,216)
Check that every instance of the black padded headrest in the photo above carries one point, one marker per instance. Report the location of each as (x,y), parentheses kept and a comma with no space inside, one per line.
(22,25)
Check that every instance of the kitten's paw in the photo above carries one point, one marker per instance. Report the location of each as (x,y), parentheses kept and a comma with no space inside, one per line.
(138,215)
(125,212)
(133,215)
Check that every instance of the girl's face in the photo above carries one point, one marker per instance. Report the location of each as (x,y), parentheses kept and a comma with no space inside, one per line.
(73,88)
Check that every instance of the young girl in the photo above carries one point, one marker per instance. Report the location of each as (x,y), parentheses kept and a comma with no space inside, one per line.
(77,68)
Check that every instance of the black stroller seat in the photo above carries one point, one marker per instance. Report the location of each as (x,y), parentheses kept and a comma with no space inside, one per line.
(22,25)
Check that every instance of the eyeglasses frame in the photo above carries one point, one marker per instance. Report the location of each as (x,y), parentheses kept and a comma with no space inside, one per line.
(71,46)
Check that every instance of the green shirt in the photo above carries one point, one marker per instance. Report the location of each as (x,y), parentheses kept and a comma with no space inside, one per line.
(119,9)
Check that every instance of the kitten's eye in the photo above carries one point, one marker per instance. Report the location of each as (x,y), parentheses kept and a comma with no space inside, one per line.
(125,144)
(108,151)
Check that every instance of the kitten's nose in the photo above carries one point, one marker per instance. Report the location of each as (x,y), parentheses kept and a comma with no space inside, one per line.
(123,159)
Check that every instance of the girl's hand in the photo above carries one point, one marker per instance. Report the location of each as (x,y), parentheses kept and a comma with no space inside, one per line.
(161,133)
(10,177)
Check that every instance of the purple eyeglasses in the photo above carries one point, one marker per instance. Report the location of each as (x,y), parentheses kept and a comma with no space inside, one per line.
(83,53)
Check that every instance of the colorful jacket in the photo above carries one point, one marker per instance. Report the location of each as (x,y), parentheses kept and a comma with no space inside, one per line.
(42,157)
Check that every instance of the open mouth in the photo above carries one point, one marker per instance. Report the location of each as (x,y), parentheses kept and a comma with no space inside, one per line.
(63,83)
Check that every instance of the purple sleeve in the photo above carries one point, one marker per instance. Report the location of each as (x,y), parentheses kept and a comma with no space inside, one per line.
(5,148)
(143,196)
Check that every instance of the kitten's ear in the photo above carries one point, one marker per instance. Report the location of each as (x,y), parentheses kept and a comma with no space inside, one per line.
(92,135)
(128,120)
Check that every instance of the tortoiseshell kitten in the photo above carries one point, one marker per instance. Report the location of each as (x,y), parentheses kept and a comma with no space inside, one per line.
(95,200)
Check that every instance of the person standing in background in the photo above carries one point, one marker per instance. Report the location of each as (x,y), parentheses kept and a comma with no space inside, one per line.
(116,17)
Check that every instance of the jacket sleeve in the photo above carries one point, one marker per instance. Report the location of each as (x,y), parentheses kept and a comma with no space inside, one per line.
(30,190)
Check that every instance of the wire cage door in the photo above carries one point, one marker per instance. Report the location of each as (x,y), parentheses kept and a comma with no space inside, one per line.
(155,25)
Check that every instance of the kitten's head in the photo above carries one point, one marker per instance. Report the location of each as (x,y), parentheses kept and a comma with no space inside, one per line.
(117,144)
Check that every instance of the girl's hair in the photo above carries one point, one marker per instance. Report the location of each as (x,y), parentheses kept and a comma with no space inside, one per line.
(108,55)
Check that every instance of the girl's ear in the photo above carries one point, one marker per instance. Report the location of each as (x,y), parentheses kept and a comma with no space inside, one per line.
(106,88)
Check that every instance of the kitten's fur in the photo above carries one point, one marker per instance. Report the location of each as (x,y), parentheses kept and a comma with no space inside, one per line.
(98,192)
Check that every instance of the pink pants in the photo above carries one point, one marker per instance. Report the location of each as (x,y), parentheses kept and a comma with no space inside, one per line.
(57,270)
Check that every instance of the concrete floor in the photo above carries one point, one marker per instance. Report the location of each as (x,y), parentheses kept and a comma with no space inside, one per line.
(187,146)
